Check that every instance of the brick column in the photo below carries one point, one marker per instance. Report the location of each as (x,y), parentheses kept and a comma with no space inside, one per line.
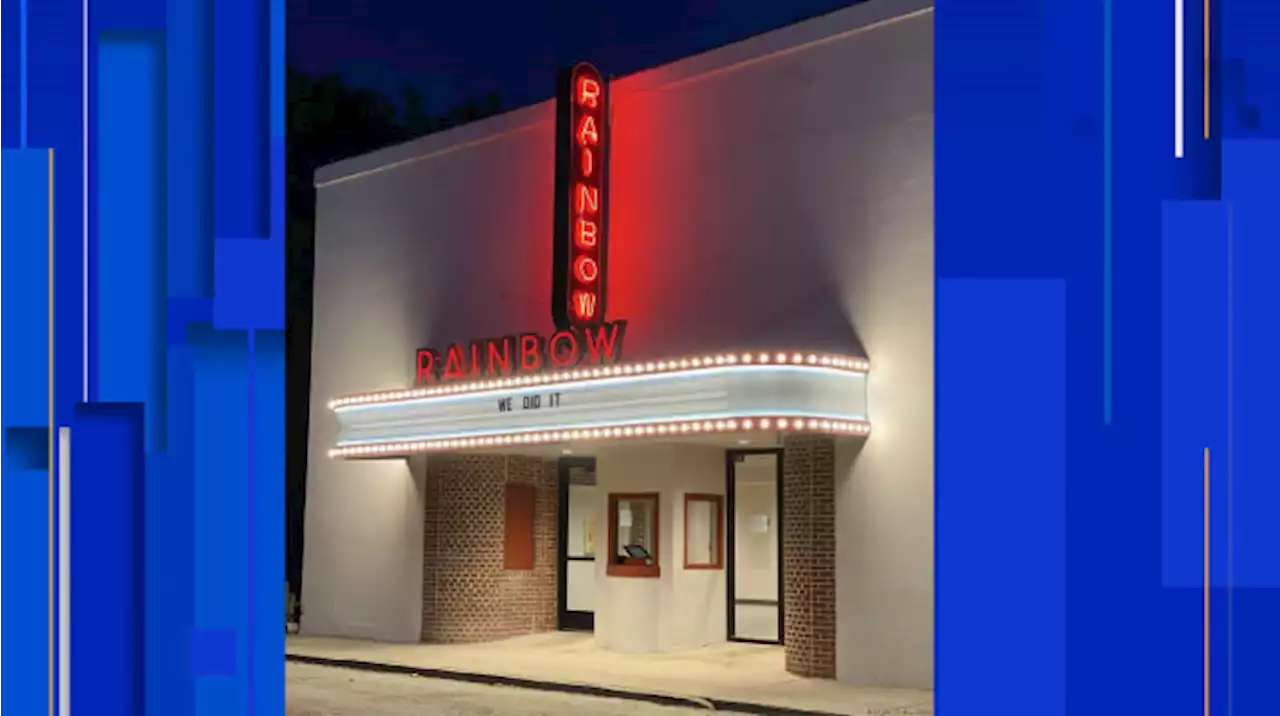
(467,595)
(809,555)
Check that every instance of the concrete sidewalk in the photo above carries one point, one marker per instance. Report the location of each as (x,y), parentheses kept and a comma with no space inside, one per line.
(732,676)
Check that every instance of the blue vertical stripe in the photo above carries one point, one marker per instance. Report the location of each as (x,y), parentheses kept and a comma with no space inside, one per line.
(1194,381)
(107,596)
(54,119)
(1106,212)
(241,119)
(1001,370)
(22,50)
(220,405)
(268,518)
(24,501)
(170,568)
(1251,175)
(130,287)
(10,73)
(277,121)
(26,287)
(189,101)
(251,517)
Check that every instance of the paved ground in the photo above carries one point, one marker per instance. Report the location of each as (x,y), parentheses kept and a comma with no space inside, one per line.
(327,691)
(734,672)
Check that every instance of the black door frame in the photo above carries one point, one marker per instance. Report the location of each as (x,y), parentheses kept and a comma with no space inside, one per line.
(731,533)
(568,620)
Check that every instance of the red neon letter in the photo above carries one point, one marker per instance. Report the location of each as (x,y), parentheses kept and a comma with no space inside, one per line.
(427,360)
(499,363)
(587,133)
(588,92)
(606,347)
(564,350)
(585,269)
(587,165)
(584,304)
(585,234)
(588,199)
(477,349)
(530,352)
(454,362)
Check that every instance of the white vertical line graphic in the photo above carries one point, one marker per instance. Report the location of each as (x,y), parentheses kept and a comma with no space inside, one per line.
(1178,84)
(64,571)
(84,195)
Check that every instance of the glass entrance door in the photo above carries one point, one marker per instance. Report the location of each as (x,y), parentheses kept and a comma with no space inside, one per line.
(578,543)
(754,526)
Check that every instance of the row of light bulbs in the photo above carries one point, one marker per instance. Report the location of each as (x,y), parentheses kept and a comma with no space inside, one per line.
(622,431)
(856,365)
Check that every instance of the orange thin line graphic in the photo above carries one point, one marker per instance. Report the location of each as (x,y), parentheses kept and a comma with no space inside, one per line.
(1206,582)
(1206,69)
(51,438)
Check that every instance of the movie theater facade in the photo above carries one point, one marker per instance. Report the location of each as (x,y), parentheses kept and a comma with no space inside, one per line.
(652,359)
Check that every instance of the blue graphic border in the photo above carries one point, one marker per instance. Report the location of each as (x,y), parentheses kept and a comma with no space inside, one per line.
(1075,250)
(160,126)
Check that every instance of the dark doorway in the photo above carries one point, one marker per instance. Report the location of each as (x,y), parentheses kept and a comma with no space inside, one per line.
(578,543)
(753,532)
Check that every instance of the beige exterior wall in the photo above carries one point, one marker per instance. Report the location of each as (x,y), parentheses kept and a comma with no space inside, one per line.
(682,609)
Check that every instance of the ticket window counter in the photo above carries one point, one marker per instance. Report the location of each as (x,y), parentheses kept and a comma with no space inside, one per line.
(634,535)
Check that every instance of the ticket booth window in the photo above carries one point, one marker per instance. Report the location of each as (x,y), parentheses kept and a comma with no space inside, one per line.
(633,535)
(703,531)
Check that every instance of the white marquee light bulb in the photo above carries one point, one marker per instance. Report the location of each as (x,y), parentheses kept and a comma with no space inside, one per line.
(593,373)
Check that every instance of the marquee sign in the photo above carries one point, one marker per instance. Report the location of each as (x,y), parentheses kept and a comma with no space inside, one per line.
(723,394)
(582,171)
(523,354)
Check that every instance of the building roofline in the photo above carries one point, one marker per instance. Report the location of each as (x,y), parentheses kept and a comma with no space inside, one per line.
(818,30)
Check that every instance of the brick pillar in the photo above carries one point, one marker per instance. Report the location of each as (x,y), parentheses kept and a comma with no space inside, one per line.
(809,555)
(467,595)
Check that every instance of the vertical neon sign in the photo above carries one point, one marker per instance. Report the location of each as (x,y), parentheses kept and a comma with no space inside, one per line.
(582,170)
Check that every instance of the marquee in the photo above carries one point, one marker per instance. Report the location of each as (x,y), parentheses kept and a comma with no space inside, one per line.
(668,399)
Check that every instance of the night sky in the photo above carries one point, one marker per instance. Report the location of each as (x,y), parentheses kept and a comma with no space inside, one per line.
(456,50)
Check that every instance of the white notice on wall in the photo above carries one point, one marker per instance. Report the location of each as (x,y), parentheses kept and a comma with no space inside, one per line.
(758,524)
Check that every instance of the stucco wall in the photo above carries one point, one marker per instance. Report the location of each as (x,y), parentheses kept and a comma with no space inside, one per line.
(776,192)
(682,609)
(363,559)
